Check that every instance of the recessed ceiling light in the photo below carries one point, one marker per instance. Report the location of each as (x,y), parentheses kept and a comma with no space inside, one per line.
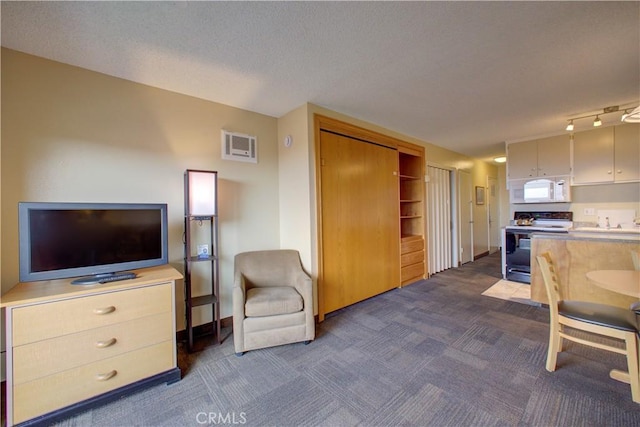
(500,159)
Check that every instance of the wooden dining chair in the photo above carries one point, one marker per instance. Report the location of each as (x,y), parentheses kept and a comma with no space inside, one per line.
(601,319)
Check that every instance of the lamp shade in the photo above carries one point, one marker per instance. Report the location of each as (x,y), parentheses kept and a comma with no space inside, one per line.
(200,191)
(633,117)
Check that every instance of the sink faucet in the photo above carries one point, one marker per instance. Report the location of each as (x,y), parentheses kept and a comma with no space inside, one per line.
(608,224)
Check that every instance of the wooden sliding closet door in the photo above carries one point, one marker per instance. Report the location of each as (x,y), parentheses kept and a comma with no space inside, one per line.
(360,220)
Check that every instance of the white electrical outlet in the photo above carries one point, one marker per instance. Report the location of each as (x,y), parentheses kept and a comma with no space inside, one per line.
(589,211)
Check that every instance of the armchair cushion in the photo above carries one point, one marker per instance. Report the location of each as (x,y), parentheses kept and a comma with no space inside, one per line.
(272,301)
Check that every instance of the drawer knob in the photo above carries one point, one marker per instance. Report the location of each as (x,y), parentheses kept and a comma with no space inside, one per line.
(106,376)
(104,310)
(106,343)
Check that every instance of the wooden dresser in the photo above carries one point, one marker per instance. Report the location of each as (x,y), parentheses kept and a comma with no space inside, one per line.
(71,346)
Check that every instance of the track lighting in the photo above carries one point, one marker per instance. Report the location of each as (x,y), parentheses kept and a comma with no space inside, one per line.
(627,117)
(570,126)
(632,117)
(597,122)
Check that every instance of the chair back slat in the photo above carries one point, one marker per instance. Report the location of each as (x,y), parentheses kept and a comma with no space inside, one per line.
(550,277)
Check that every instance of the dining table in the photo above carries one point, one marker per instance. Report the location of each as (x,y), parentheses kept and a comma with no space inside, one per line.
(626,282)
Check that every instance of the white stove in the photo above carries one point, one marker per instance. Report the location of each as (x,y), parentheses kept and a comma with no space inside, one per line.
(516,240)
(541,225)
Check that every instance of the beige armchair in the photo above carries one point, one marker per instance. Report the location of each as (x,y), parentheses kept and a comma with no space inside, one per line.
(272,300)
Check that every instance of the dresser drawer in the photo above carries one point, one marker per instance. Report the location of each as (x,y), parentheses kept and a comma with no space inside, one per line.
(411,258)
(65,388)
(414,271)
(47,357)
(43,321)
(411,244)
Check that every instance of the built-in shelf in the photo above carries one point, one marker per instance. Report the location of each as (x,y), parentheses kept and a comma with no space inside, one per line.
(412,193)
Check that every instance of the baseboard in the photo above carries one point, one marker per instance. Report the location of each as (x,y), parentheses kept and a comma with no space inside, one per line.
(483,254)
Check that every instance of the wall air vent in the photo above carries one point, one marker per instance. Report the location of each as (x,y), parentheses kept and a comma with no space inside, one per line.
(239,147)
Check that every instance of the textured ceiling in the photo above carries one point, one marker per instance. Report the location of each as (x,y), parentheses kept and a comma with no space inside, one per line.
(467,76)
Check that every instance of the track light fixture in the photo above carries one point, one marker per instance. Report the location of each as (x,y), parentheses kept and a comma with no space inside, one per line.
(632,117)
(628,117)
(570,126)
(597,122)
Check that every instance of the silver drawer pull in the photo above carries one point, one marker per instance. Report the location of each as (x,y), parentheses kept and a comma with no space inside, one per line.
(106,376)
(106,343)
(104,310)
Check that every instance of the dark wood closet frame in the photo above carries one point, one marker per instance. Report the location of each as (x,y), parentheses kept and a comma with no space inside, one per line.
(324,123)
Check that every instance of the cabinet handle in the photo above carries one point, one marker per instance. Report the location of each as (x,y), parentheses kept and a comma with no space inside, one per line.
(106,376)
(619,171)
(608,172)
(104,310)
(106,343)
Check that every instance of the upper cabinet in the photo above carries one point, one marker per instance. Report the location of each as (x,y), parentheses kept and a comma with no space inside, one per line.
(607,155)
(593,156)
(539,158)
(626,154)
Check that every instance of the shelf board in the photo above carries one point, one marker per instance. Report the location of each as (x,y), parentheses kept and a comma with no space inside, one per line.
(410,201)
(410,216)
(197,258)
(411,237)
(203,300)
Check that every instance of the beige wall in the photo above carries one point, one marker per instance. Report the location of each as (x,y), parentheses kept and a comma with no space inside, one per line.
(70,134)
(76,135)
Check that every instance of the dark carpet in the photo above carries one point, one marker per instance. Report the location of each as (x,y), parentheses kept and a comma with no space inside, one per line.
(435,353)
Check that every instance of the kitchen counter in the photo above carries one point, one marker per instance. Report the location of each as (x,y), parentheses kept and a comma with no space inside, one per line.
(575,254)
(603,234)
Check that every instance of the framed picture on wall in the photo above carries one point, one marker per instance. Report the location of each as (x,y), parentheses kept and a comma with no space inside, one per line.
(479,195)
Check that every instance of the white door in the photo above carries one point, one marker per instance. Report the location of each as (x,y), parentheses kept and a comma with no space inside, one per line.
(493,216)
(465,205)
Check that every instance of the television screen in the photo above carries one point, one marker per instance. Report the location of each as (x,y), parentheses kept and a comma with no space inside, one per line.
(62,240)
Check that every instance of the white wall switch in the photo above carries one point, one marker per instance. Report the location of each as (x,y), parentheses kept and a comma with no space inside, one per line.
(589,211)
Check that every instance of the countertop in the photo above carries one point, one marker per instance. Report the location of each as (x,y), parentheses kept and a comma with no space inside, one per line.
(616,236)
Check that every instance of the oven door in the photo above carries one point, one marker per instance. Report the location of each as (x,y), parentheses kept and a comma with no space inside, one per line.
(517,257)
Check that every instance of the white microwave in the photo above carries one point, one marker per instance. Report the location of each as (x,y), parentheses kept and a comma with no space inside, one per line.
(544,190)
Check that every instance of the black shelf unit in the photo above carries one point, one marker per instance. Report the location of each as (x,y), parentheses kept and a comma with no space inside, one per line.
(201,221)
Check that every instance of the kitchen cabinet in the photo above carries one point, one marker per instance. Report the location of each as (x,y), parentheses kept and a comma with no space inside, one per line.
(539,158)
(626,153)
(607,155)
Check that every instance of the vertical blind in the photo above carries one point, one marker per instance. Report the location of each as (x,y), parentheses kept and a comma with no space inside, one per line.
(439,211)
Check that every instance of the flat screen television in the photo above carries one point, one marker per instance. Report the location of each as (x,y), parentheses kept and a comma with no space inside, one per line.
(100,241)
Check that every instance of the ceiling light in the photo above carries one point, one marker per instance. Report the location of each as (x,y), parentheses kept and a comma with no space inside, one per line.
(597,122)
(632,117)
(570,125)
(500,159)
(624,115)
